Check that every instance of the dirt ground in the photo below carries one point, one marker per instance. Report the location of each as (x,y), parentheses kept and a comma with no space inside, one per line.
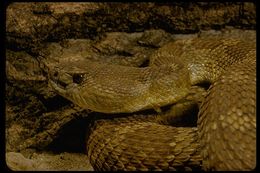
(44,161)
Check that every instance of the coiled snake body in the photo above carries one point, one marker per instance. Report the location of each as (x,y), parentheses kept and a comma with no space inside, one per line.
(225,138)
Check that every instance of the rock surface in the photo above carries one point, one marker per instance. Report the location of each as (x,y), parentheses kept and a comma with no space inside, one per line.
(48,162)
(28,24)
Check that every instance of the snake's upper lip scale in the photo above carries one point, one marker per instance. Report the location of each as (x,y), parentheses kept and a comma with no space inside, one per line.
(58,84)
(61,84)
(63,88)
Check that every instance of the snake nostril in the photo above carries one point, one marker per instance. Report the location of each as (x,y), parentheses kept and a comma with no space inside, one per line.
(55,74)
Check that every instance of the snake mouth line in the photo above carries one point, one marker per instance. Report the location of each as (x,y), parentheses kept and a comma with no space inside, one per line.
(60,84)
(63,87)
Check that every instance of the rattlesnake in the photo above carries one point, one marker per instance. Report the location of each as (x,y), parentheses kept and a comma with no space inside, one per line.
(225,138)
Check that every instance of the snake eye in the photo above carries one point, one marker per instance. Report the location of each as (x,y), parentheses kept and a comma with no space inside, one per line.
(78,78)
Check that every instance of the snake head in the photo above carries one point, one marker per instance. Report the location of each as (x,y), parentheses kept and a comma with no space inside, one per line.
(65,82)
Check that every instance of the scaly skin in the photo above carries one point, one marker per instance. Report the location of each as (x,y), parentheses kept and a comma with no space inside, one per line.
(117,84)
(226,134)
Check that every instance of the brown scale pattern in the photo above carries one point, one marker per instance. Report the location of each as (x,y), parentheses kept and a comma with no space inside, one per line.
(226,134)
(228,120)
(113,92)
(172,148)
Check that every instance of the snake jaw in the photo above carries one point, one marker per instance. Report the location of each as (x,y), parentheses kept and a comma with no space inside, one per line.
(65,91)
